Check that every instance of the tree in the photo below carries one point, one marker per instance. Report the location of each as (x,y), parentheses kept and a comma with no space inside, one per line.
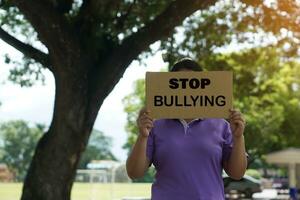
(266,90)
(88,45)
(19,141)
(98,148)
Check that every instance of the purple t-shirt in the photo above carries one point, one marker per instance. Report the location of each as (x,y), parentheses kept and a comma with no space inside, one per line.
(188,161)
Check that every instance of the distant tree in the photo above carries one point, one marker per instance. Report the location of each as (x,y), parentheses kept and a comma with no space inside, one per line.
(98,148)
(121,174)
(267,91)
(133,102)
(18,141)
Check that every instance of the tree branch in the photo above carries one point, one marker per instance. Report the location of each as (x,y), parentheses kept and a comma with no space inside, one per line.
(63,6)
(96,8)
(52,27)
(162,26)
(54,31)
(26,49)
(121,20)
(93,12)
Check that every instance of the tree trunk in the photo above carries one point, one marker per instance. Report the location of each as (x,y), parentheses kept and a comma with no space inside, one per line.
(53,167)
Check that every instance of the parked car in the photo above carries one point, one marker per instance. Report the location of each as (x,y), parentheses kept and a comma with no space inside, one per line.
(247,185)
(280,183)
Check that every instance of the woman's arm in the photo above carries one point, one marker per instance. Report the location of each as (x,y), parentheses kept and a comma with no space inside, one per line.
(236,166)
(137,162)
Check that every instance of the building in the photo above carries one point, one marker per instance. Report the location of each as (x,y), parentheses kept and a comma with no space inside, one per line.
(289,158)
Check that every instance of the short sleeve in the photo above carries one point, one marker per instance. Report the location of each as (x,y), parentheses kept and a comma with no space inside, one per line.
(150,146)
(228,142)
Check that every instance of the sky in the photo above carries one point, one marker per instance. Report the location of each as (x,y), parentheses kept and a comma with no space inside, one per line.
(35,104)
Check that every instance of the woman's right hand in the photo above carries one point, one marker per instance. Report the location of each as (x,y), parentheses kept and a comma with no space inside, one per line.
(144,122)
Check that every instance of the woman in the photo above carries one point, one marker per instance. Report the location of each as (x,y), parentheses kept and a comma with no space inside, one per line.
(189,154)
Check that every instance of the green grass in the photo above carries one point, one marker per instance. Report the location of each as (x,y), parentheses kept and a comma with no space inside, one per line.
(87,191)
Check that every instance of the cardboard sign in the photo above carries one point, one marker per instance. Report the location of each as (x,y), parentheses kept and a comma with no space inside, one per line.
(189,95)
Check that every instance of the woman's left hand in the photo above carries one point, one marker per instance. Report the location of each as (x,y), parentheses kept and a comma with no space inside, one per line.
(237,123)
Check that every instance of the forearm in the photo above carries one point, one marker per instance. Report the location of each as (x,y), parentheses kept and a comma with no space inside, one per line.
(237,162)
(137,162)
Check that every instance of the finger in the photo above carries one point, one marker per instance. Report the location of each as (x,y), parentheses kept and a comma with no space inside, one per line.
(140,119)
(146,121)
(233,110)
(146,117)
(148,125)
(143,109)
(142,114)
(235,113)
(237,117)
(146,113)
(238,122)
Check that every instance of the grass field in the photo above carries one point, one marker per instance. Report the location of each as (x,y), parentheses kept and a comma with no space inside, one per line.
(87,191)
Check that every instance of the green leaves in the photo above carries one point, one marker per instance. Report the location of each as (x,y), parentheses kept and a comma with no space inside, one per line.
(27,73)
(18,141)
(132,104)
(14,21)
(266,90)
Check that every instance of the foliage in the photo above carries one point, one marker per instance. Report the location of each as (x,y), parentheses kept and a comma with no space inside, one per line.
(239,24)
(18,141)
(148,177)
(267,92)
(18,144)
(254,173)
(25,73)
(226,22)
(132,104)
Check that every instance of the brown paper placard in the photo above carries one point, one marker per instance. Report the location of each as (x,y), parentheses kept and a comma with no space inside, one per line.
(198,95)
